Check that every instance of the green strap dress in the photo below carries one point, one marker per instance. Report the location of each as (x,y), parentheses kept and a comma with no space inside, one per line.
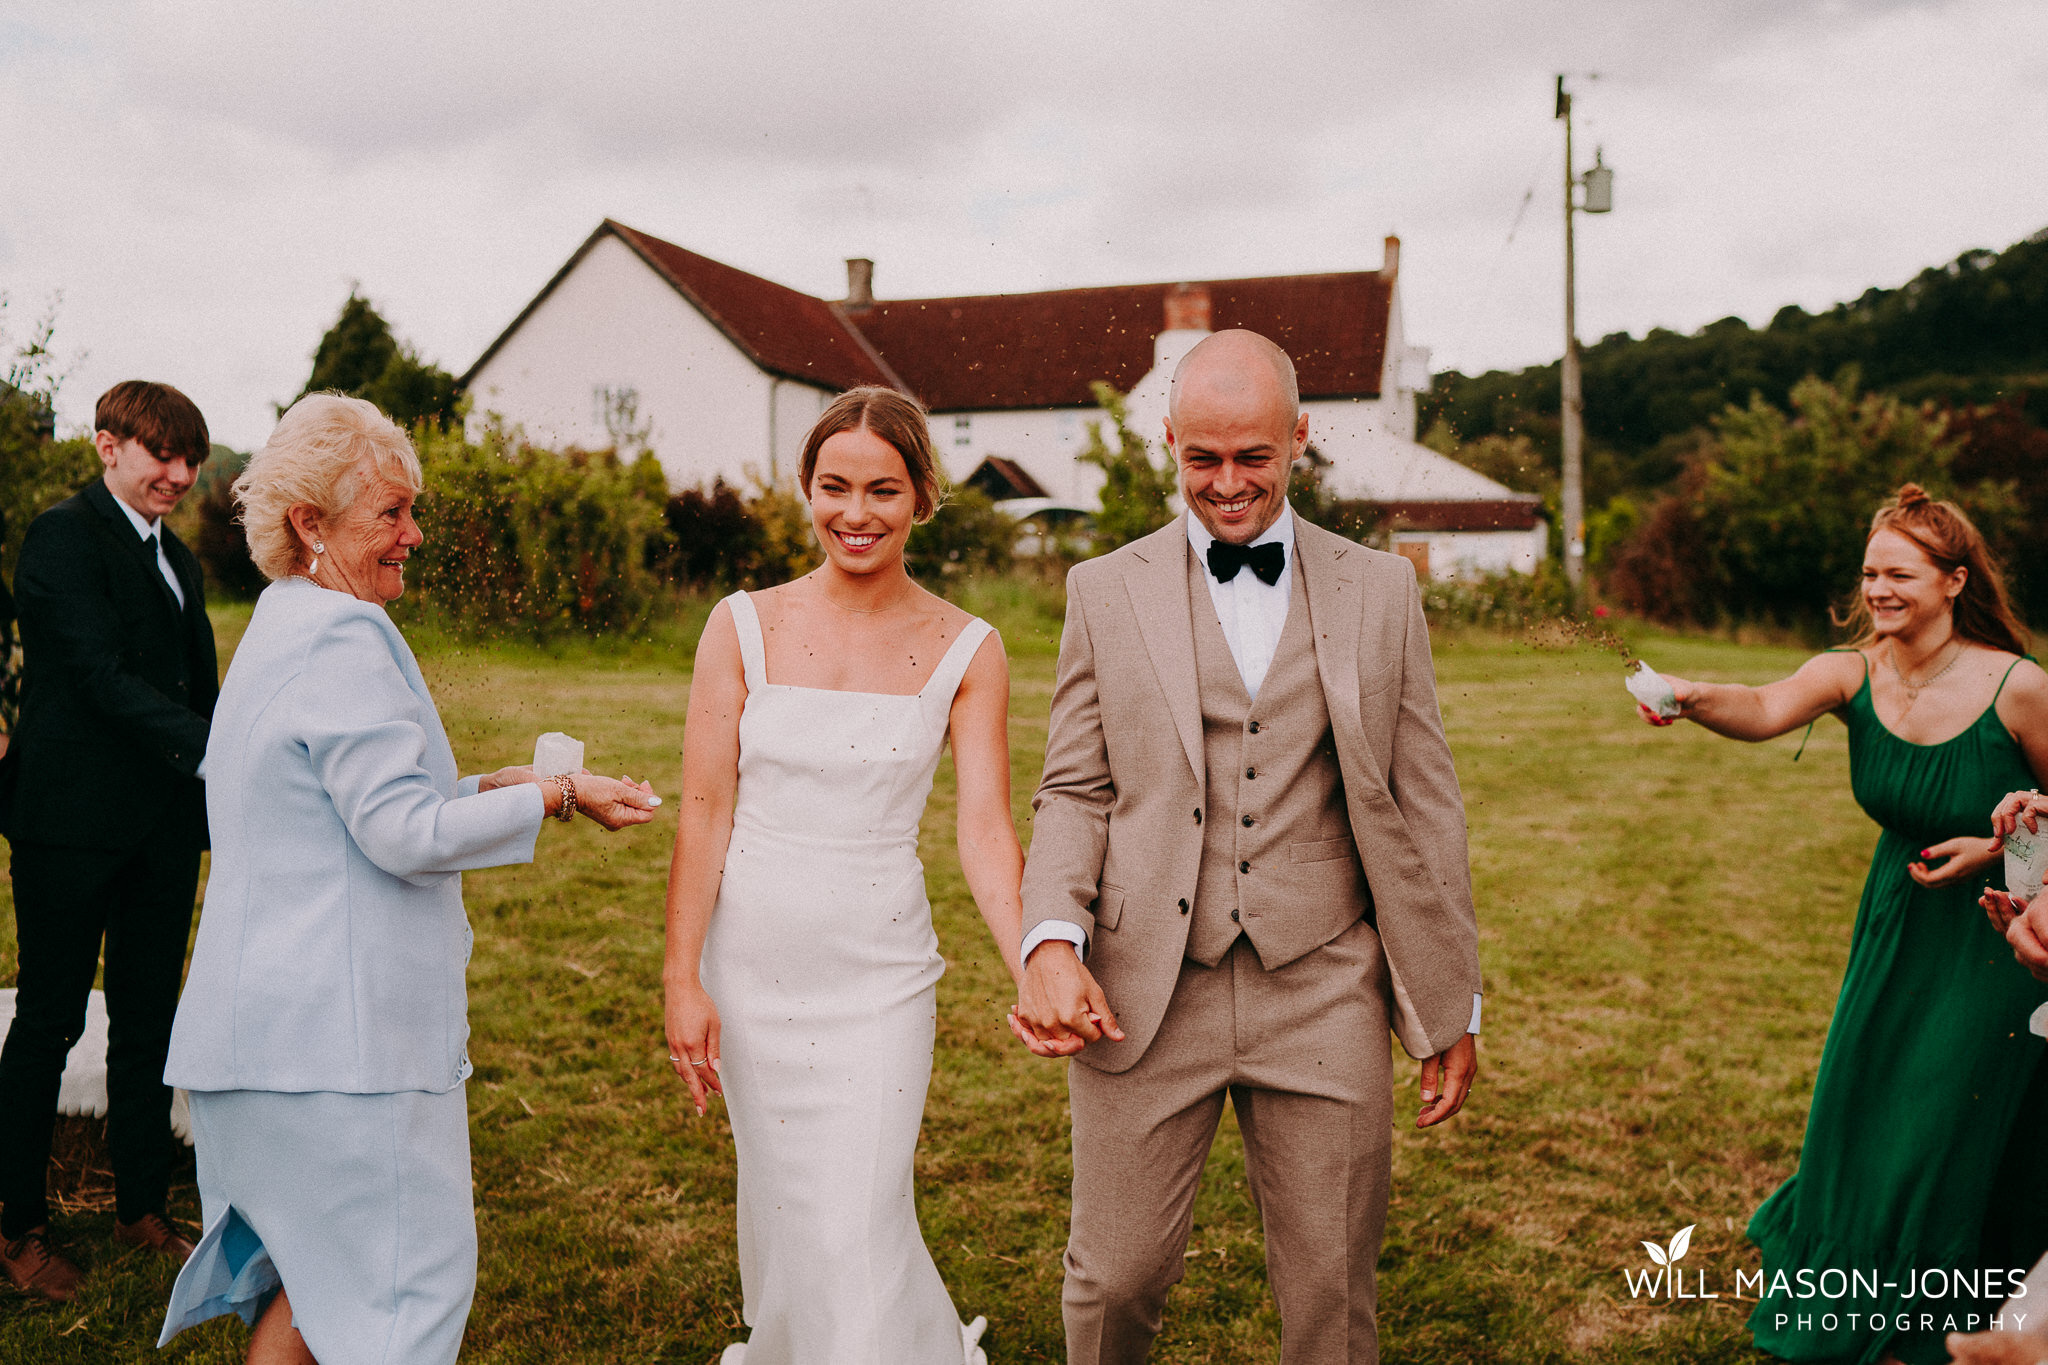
(1927,1143)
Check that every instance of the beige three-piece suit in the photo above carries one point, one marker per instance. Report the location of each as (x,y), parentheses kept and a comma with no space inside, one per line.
(1264,887)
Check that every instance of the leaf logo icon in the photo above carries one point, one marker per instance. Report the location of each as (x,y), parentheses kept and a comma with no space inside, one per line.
(1681,1242)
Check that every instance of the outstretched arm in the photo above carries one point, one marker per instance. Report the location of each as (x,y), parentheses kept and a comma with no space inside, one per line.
(989,853)
(711,774)
(1823,683)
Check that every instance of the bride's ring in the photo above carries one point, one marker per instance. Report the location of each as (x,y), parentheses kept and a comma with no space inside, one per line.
(705,1062)
(672,1057)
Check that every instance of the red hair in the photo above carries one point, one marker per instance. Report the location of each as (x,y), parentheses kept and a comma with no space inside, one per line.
(1983,611)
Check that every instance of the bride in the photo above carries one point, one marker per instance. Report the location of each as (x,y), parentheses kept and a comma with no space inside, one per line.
(802,968)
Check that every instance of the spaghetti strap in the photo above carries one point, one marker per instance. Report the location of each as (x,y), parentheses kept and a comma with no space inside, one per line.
(945,679)
(753,652)
(1851,649)
(2008,673)
(1807,738)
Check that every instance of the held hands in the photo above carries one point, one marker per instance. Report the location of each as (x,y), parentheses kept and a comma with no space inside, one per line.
(1060,1008)
(692,1024)
(1965,857)
(1446,1080)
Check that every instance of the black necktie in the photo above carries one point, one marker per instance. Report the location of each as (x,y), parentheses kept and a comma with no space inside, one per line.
(1266,561)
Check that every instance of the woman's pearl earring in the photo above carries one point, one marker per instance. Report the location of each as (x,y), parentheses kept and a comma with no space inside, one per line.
(319,548)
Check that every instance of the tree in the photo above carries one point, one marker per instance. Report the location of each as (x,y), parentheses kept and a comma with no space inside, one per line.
(1785,503)
(1770,519)
(1972,331)
(1135,490)
(361,357)
(36,470)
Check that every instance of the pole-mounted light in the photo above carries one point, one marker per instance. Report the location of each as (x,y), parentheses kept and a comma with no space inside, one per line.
(1598,197)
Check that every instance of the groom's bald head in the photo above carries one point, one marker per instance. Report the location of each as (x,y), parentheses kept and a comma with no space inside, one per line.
(1241,367)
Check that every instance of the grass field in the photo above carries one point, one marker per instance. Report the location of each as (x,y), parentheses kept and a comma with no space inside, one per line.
(1664,920)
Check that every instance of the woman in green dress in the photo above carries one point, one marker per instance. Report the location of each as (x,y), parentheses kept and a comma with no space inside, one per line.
(1931,1104)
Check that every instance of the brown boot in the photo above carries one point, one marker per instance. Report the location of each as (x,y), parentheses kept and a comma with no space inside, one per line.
(158,1233)
(37,1267)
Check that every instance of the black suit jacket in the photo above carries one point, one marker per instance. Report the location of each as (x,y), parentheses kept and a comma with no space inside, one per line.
(118,685)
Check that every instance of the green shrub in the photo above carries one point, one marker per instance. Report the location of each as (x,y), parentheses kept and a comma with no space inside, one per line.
(967,536)
(533,541)
(715,539)
(36,471)
(213,525)
(1135,490)
(1770,517)
(1503,601)
(36,474)
(789,549)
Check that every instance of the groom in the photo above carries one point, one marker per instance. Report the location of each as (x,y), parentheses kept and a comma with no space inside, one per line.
(1250,843)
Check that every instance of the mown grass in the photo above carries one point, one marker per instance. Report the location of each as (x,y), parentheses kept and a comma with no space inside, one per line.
(1664,921)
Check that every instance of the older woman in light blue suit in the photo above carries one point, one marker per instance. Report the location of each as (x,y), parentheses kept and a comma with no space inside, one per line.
(323,1026)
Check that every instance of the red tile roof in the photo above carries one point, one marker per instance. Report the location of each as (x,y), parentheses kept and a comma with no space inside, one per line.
(1002,351)
(1044,350)
(1518,513)
(786,333)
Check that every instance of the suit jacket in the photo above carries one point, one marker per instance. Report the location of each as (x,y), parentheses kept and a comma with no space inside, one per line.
(1124,773)
(332,943)
(118,685)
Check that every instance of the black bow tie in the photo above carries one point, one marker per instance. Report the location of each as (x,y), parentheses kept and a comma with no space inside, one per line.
(1267,561)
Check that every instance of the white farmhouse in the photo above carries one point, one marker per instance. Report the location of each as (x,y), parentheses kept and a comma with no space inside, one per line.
(730,370)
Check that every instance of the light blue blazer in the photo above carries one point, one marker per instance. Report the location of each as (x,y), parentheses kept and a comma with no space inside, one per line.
(332,943)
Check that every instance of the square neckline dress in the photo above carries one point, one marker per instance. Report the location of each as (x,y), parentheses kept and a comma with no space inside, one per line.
(824,966)
(1925,1138)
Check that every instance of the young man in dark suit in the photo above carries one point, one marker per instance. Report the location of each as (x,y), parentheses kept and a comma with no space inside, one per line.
(103,808)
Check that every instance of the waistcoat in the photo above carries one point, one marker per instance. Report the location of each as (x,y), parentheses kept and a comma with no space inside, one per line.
(1279,861)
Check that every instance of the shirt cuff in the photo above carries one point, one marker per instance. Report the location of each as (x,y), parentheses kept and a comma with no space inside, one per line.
(1055,928)
(1475,1013)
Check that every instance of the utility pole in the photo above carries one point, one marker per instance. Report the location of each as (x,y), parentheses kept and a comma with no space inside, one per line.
(1599,183)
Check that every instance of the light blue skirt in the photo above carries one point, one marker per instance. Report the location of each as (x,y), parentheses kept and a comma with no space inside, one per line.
(358,1206)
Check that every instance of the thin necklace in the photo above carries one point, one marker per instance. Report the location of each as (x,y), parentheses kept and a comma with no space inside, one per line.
(310,579)
(1913,689)
(901,598)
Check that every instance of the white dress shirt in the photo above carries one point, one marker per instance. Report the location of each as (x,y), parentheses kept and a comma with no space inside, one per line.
(152,531)
(1252,613)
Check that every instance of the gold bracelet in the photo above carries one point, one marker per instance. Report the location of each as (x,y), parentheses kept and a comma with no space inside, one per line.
(568,790)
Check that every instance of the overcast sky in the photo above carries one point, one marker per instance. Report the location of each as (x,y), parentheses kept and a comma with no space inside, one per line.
(203,180)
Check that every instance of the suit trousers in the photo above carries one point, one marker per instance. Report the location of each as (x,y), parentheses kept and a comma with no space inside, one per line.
(1304,1055)
(66,901)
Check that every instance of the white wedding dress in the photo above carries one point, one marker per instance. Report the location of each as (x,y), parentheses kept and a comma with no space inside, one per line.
(824,967)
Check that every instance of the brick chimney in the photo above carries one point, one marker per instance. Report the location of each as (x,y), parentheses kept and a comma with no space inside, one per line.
(1390,265)
(1187,308)
(860,282)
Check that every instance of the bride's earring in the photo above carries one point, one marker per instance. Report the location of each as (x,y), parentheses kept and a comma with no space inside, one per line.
(319,548)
